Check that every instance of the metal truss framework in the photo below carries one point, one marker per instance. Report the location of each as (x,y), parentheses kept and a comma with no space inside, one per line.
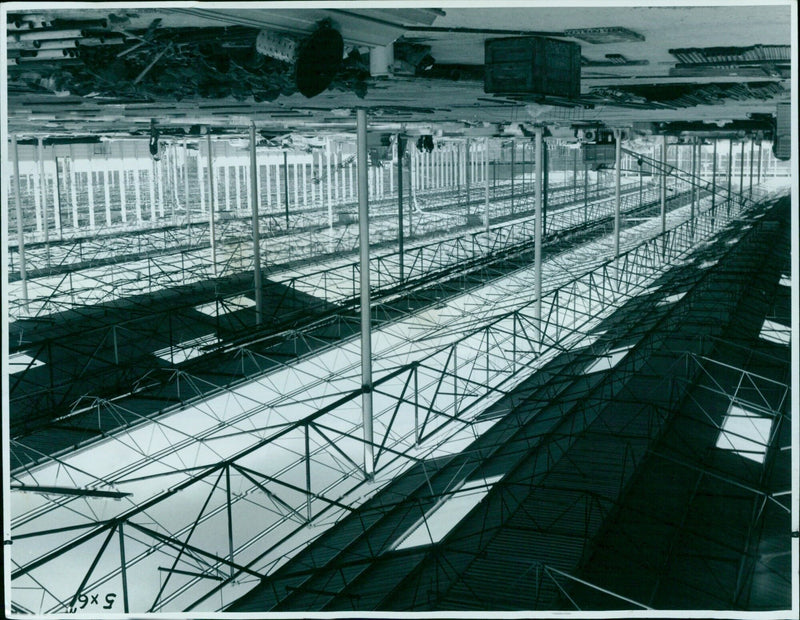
(333,575)
(234,491)
(115,351)
(97,270)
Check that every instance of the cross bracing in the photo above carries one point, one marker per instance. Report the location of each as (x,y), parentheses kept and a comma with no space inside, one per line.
(445,391)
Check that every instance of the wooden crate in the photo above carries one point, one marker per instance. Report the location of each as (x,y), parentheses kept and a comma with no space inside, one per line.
(532,65)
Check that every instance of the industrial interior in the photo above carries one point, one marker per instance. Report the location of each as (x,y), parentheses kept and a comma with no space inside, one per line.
(399,308)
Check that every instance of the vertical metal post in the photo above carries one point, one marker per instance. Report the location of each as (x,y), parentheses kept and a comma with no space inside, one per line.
(585,193)
(760,144)
(73,189)
(186,184)
(308,472)
(617,160)
(714,183)
(513,155)
(752,148)
(486,182)
(152,179)
(229,510)
(730,171)
(123,568)
(467,170)
(741,173)
(400,230)
(256,234)
(695,150)
(20,228)
(640,182)
(574,174)
(43,197)
(286,186)
(663,184)
(57,199)
(328,181)
(211,231)
(537,229)
(366,331)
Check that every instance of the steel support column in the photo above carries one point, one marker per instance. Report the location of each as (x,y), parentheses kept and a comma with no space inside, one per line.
(256,234)
(695,149)
(211,231)
(618,165)
(20,227)
(730,172)
(467,170)
(186,184)
(537,230)
(486,183)
(741,173)
(366,331)
(663,184)
(752,148)
(400,231)
(328,181)
(760,145)
(714,183)
(43,197)
(286,186)
(513,155)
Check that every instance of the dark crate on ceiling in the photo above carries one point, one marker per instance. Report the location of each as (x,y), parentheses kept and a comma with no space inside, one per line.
(596,155)
(782,141)
(532,65)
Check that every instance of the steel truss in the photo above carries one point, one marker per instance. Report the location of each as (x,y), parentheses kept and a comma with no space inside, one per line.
(101,269)
(260,476)
(333,575)
(118,352)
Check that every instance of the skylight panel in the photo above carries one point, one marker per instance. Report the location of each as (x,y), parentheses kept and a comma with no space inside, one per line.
(745,433)
(226,306)
(17,362)
(776,332)
(188,349)
(446,514)
(607,361)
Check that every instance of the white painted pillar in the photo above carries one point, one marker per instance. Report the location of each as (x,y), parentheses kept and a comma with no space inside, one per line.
(20,224)
(366,325)
(38,184)
(137,180)
(328,181)
(225,169)
(201,183)
(73,190)
(107,193)
(122,172)
(268,174)
(296,185)
(56,196)
(90,188)
(237,170)
(152,186)
(159,170)
(305,183)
